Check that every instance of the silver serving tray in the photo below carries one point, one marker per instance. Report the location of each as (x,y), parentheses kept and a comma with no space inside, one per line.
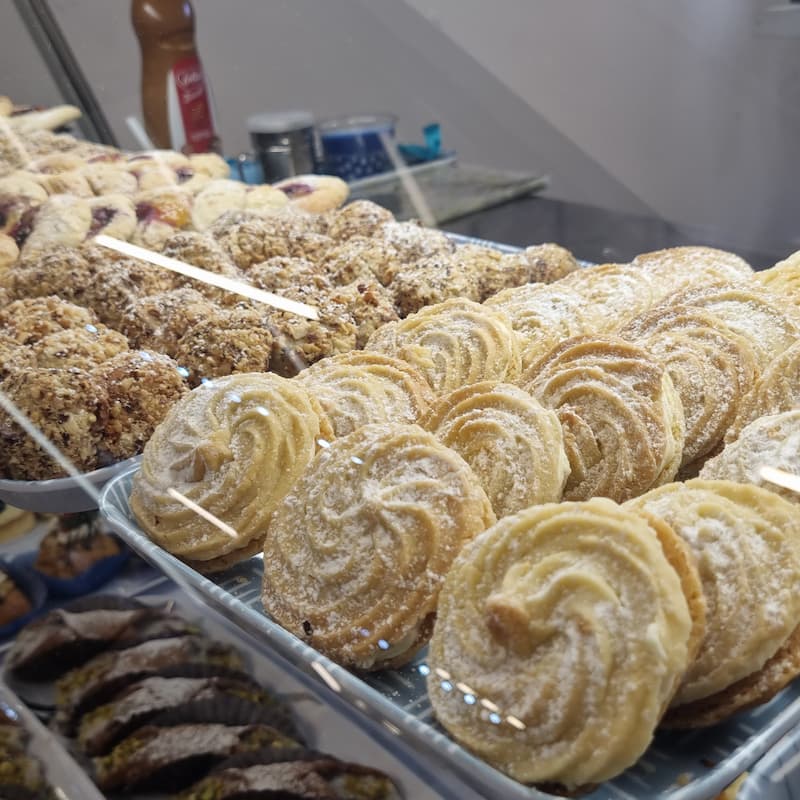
(61,495)
(65,776)
(680,766)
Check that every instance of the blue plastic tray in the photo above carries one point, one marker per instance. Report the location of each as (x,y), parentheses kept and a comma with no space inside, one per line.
(686,766)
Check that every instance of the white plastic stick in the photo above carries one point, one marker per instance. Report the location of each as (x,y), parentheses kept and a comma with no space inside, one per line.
(212,278)
(139,133)
(780,477)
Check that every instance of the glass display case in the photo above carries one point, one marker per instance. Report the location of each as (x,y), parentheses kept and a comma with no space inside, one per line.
(438,364)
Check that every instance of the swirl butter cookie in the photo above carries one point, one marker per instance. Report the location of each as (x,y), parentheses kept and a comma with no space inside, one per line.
(746,543)
(543,316)
(235,447)
(773,441)
(778,389)
(356,553)
(616,293)
(783,280)
(622,418)
(712,368)
(569,628)
(357,388)
(453,344)
(769,324)
(678,268)
(513,444)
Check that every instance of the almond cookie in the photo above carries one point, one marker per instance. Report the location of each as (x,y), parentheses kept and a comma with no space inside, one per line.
(621,415)
(712,368)
(513,444)
(358,388)
(773,441)
(561,635)
(234,446)
(746,543)
(356,553)
(453,344)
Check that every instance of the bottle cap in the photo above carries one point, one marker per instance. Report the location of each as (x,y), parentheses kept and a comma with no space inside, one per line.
(280,121)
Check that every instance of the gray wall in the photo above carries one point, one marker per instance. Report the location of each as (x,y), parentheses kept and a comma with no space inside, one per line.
(673,107)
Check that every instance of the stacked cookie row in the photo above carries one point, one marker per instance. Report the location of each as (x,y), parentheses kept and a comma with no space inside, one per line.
(155,707)
(57,190)
(394,465)
(357,266)
(81,385)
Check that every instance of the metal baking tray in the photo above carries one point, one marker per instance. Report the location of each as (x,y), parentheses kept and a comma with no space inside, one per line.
(777,775)
(680,766)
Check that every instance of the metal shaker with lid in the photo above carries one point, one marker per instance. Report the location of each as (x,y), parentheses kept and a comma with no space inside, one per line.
(284,143)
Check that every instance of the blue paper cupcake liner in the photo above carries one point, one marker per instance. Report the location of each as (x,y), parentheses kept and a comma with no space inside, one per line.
(100,573)
(32,586)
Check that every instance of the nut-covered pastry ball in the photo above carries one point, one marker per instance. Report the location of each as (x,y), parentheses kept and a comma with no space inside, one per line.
(549,262)
(233,341)
(82,347)
(414,242)
(300,341)
(369,304)
(158,321)
(359,218)
(285,272)
(252,242)
(200,250)
(141,386)
(60,270)
(68,406)
(117,283)
(493,270)
(362,259)
(431,281)
(30,319)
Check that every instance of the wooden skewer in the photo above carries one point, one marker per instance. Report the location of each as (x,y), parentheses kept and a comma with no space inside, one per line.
(206,515)
(212,278)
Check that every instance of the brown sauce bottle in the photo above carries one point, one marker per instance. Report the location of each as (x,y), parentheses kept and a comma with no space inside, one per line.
(175,100)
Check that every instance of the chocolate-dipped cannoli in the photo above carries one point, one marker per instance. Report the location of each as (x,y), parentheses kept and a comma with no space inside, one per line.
(172,758)
(97,681)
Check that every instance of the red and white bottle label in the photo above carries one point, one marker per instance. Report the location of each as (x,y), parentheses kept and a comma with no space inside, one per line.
(191,120)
